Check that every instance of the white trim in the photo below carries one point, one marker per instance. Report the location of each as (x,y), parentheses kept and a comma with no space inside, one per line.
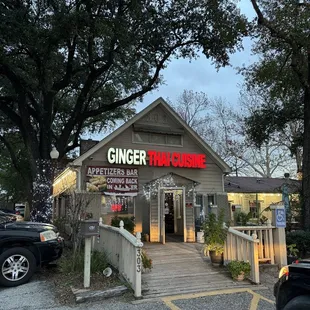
(203,144)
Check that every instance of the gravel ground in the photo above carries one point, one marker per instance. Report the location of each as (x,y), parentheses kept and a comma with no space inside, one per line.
(42,294)
(237,301)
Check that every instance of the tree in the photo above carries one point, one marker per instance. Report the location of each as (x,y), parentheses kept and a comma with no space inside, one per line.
(223,129)
(265,123)
(67,66)
(283,36)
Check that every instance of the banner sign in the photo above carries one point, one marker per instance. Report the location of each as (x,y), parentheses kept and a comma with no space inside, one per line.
(112,181)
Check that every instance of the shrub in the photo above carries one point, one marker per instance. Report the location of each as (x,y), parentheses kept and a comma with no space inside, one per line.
(146,261)
(74,263)
(128,223)
(237,267)
(242,218)
(301,239)
(292,250)
(214,232)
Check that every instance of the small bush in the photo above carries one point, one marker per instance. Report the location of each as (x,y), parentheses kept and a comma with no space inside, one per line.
(71,263)
(128,223)
(237,267)
(301,239)
(146,261)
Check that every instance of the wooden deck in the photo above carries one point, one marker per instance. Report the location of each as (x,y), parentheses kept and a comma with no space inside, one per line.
(179,268)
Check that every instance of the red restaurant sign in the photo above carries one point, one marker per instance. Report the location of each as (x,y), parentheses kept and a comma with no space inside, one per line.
(155,158)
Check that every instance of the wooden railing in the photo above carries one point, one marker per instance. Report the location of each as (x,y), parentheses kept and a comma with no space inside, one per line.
(265,237)
(241,246)
(124,252)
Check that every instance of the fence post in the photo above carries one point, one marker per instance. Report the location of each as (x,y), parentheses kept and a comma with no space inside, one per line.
(254,259)
(138,267)
(270,237)
(279,237)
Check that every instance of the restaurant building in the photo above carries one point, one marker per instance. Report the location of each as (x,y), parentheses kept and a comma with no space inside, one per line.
(154,168)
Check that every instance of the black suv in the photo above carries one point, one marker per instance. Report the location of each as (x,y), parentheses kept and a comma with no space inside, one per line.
(292,291)
(23,247)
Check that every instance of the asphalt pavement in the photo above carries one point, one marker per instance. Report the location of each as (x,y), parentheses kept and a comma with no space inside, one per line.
(39,295)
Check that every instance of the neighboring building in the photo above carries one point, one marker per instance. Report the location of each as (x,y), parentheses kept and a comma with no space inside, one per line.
(154,168)
(252,194)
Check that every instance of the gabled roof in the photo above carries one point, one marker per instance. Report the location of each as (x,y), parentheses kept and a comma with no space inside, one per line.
(260,185)
(160,101)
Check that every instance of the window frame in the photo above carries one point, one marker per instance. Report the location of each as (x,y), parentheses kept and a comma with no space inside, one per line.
(161,144)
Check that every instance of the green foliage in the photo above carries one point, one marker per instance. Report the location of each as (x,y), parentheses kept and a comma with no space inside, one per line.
(146,261)
(301,239)
(242,218)
(237,267)
(279,75)
(74,262)
(217,248)
(214,232)
(129,223)
(292,250)
(68,68)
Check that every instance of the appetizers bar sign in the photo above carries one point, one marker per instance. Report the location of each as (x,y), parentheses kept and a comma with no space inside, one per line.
(156,159)
(112,180)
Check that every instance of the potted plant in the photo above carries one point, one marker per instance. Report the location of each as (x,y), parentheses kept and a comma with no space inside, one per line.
(292,252)
(239,269)
(215,236)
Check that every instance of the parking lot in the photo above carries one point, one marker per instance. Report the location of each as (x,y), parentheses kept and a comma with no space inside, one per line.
(40,295)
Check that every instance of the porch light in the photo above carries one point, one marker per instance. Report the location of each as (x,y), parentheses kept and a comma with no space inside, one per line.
(54,153)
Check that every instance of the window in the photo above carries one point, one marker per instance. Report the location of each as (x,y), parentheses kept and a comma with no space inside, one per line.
(174,139)
(141,137)
(157,138)
(254,209)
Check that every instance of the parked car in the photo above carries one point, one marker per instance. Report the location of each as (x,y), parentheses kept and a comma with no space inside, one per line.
(24,246)
(20,210)
(292,291)
(11,213)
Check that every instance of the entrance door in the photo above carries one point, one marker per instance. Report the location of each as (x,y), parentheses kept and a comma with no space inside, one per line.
(172,213)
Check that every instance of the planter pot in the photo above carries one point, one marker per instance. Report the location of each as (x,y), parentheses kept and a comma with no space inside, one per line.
(216,260)
(291,259)
(240,277)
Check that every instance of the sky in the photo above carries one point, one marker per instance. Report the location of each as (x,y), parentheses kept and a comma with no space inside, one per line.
(200,75)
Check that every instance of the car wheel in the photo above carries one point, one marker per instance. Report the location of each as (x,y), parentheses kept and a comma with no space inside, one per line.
(299,303)
(17,266)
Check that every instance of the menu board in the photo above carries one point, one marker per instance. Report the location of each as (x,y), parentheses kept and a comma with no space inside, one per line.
(112,181)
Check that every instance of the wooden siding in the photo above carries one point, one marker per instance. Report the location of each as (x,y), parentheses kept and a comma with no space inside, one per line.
(154,219)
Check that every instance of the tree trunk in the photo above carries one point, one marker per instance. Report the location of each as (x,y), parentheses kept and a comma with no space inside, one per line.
(41,209)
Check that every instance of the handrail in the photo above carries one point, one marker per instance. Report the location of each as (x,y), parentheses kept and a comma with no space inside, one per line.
(240,246)
(125,233)
(242,235)
(252,227)
(124,253)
